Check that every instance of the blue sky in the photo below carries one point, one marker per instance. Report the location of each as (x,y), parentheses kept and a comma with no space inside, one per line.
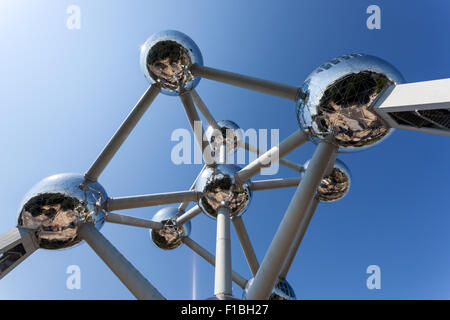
(63,93)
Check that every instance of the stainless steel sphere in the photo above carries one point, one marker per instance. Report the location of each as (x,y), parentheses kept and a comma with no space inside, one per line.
(230,133)
(219,188)
(282,290)
(171,235)
(56,207)
(338,99)
(166,58)
(336,185)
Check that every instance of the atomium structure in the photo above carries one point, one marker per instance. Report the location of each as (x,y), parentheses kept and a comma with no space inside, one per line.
(349,103)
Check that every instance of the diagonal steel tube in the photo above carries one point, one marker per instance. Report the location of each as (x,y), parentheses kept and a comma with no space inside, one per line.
(139,286)
(298,238)
(119,137)
(246,82)
(286,146)
(198,131)
(246,244)
(287,163)
(304,225)
(331,164)
(204,109)
(209,257)
(274,184)
(188,215)
(295,215)
(114,204)
(292,165)
(132,221)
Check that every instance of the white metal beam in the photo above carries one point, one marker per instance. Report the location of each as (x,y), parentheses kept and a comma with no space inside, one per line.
(16,245)
(413,98)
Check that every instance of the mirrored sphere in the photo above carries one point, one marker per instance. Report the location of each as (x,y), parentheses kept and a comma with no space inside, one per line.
(336,185)
(282,291)
(219,188)
(166,58)
(338,99)
(171,236)
(230,133)
(56,207)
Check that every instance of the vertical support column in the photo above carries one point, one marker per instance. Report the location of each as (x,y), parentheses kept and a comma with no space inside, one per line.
(223,278)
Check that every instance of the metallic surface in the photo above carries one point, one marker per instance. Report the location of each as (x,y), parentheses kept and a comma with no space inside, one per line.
(182,207)
(209,257)
(295,215)
(166,58)
(246,82)
(286,146)
(338,99)
(246,244)
(132,221)
(171,235)
(335,185)
(188,215)
(196,126)
(274,184)
(223,285)
(295,245)
(223,297)
(219,188)
(287,163)
(282,290)
(229,134)
(16,245)
(419,106)
(138,285)
(56,207)
(121,134)
(149,200)
(203,109)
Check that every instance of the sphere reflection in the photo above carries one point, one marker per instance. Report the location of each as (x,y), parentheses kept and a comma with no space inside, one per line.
(166,58)
(335,185)
(56,207)
(219,188)
(171,235)
(230,133)
(282,290)
(338,98)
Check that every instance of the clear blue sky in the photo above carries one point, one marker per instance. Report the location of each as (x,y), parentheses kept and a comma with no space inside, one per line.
(63,93)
